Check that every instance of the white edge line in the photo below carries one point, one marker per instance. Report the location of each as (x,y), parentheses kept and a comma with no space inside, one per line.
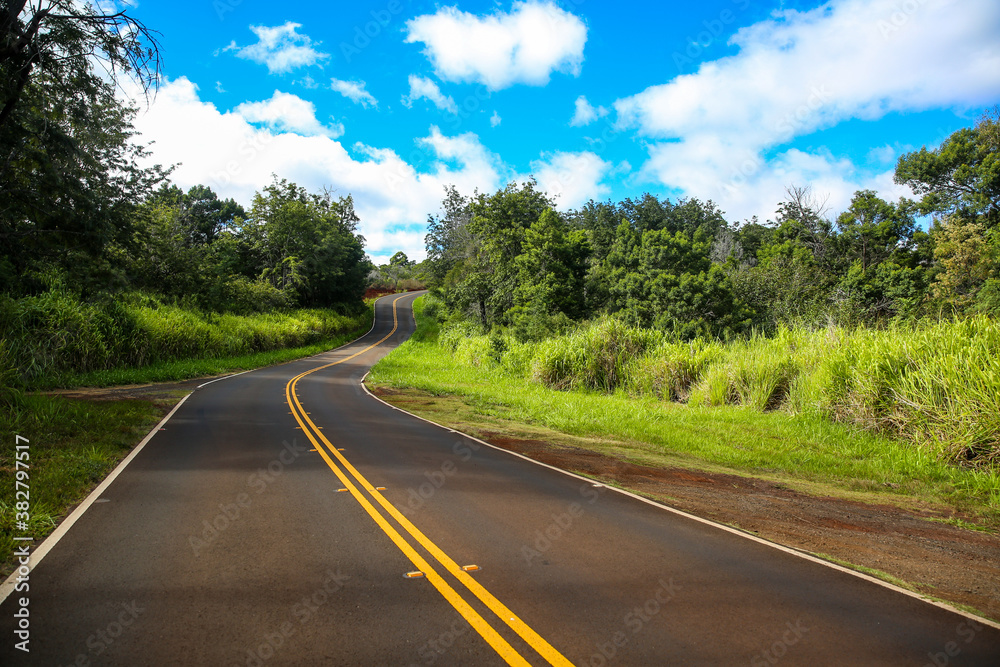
(7,587)
(780,547)
(225,377)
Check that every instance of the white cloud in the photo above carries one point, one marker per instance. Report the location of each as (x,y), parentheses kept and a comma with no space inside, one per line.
(573,178)
(424,87)
(225,151)
(308,82)
(800,72)
(883,154)
(495,119)
(525,46)
(585,113)
(285,112)
(281,48)
(354,91)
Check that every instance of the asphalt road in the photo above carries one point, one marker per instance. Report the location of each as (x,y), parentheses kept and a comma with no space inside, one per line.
(276,517)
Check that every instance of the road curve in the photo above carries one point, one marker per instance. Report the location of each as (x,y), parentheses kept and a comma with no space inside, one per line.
(285,517)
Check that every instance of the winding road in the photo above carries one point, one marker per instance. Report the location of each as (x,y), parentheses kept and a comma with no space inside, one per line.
(286,517)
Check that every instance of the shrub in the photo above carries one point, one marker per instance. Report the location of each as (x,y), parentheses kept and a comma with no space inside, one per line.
(596,356)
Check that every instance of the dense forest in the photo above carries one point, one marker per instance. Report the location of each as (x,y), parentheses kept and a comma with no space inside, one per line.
(509,260)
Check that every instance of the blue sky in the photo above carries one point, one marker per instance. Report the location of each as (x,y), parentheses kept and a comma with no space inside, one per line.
(728,100)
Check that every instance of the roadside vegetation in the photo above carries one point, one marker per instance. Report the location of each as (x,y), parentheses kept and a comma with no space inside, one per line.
(75,443)
(564,385)
(56,339)
(401,274)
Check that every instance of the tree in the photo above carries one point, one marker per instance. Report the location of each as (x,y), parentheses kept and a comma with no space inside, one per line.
(400,259)
(69,171)
(38,41)
(885,277)
(802,218)
(308,245)
(449,241)
(203,216)
(965,262)
(498,222)
(875,230)
(692,305)
(962,176)
(551,277)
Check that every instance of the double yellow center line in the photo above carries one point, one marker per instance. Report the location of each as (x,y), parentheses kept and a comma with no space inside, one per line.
(342,468)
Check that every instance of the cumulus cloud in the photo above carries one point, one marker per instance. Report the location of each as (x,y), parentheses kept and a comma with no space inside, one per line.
(495,119)
(285,112)
(573,178)
(524,46)
(586,113)
(800,72)
(235,157)
(354,91)
(422,87)
(281,48)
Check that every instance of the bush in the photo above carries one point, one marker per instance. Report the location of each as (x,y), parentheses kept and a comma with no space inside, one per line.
(671,370)
(758,373)
(596,356)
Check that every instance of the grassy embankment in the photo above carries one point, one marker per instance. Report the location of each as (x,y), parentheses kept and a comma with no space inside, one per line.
(56,341)
(904,416)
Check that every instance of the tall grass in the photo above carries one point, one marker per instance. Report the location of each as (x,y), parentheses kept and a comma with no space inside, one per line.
(53,336)
(936,385)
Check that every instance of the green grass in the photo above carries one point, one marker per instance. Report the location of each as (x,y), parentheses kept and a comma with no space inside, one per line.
(168,371)
(73,445)
(805,447)
(55,339)
(878,574)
